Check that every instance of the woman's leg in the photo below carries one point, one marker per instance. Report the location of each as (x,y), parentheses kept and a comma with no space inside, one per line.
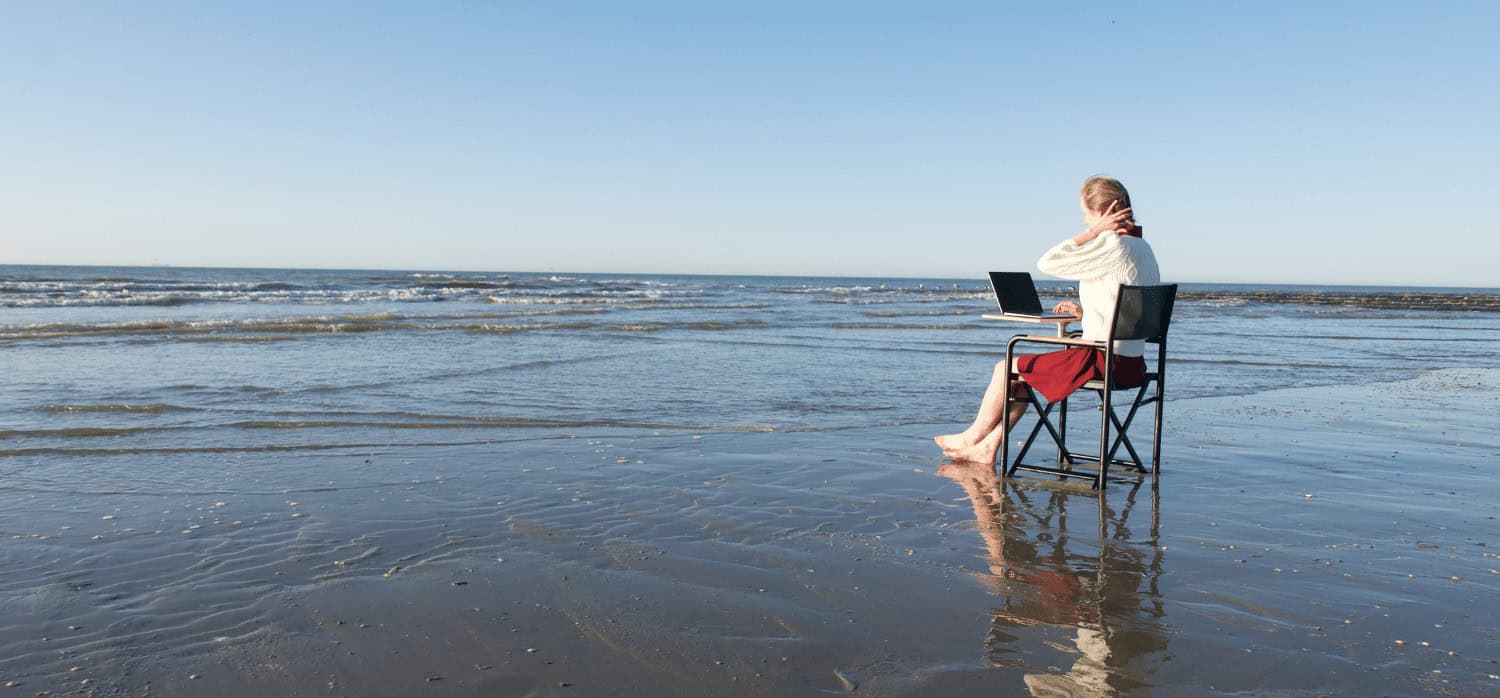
(984,450)
(991,407)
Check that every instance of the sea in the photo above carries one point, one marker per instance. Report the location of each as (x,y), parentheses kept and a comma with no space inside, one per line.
(136,360)
(276,482)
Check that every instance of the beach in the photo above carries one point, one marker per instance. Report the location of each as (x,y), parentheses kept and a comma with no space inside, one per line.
(684,487)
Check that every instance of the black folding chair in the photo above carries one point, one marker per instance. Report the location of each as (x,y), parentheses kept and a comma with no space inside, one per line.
(1141,312)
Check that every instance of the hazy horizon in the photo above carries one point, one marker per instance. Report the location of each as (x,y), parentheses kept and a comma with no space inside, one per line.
(586,272)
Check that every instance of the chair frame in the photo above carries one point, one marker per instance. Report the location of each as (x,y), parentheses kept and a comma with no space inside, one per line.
(1104,387)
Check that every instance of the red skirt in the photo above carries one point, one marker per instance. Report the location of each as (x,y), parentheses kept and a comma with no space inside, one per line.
(1057,374)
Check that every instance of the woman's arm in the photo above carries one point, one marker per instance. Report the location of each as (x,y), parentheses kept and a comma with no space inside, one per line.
(1089,254)
(1108,221)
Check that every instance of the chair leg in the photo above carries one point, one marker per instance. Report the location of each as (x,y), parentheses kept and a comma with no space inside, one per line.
(1042,421)
(1156,431)
(1005,467)
(1122,429)
(1005,440)
(1064,461)
(1101,478)
(1122,438)
(1036,429)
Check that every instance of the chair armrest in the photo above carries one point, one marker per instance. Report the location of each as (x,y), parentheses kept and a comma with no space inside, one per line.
(1063,341)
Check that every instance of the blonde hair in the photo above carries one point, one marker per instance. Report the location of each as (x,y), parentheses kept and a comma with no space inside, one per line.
(1099,191)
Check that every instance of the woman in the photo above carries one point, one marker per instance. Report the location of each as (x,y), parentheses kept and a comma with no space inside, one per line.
(1109,252)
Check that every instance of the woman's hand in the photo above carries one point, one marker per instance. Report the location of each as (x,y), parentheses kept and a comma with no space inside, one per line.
(1069,308)
(1105,222)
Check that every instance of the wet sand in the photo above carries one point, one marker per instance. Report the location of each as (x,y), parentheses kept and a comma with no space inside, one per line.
(1319,541)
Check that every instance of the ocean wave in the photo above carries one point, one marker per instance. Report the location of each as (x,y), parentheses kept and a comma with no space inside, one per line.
(89,299)
(953,312)
(453,422)
(1268,363)
(898,326)
(475,283)
(315,426)
(178,450)
(415,288)
(707,325)
(214,339)
(873,294)
(881,289)
(352,323)
(554,300)
(378,420)
(1393,300)
(265,330)
(674,305)
(76,432)
(147,408)
(944,297)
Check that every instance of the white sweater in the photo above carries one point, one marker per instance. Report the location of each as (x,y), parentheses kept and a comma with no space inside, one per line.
(1099,267)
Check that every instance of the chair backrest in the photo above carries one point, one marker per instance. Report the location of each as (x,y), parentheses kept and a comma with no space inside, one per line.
(1143,312)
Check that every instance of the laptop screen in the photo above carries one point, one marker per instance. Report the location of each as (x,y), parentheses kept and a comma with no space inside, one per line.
(1016,293)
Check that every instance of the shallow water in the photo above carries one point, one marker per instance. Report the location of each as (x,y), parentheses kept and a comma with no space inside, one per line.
(125,359)
(649,475)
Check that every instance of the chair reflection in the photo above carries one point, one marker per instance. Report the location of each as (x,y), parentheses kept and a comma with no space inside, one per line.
(1086,596)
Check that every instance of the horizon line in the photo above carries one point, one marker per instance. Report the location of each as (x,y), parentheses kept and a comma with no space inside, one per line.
(689,274)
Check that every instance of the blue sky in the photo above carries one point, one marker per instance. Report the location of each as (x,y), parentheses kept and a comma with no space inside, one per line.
(1324,142)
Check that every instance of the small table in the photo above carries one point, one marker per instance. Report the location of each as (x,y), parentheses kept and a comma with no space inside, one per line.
(1061,322)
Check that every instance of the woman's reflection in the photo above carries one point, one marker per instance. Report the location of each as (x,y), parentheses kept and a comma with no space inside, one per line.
(1088,601)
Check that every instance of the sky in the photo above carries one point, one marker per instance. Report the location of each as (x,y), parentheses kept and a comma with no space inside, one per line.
(1271,142)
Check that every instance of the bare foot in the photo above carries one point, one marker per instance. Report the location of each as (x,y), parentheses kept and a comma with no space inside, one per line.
(960,440)
(982,452)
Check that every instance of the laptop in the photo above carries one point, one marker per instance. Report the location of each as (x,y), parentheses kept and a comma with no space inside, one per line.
(1016,294)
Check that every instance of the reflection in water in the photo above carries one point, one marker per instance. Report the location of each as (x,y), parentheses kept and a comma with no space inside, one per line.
(1087,600)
